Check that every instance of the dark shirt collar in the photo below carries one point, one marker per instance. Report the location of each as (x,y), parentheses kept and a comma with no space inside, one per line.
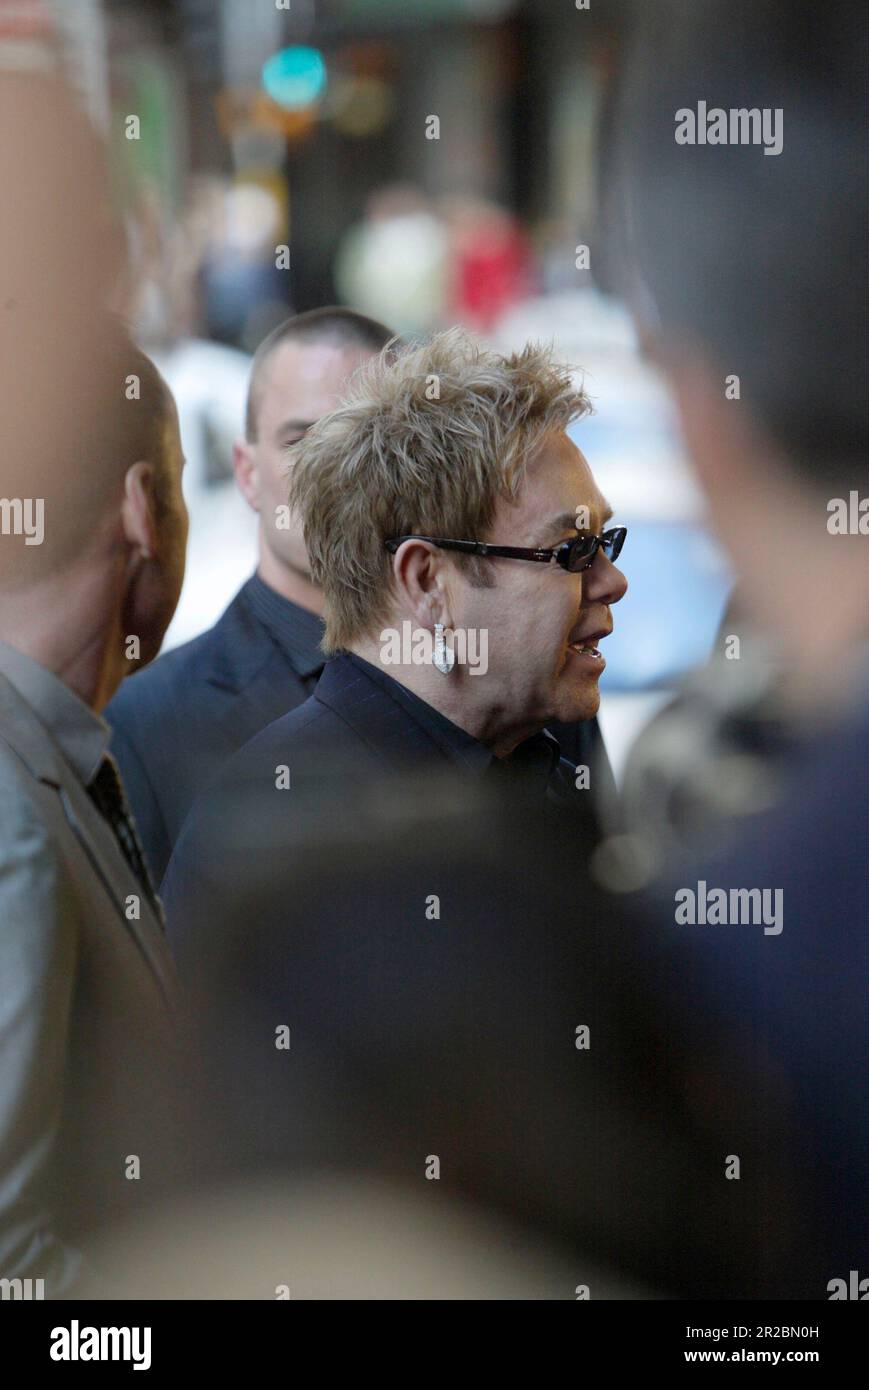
(297,631)
(531,763)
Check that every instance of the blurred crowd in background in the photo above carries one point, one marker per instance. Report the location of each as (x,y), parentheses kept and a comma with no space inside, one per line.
(426,164)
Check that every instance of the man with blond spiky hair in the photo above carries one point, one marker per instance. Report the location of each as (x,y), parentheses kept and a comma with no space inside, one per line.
(445,511)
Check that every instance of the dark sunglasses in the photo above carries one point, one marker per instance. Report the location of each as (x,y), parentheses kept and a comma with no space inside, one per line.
(574,556)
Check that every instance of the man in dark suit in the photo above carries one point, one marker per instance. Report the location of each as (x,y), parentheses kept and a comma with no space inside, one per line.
(88,1009)
(174,724)
(389,462)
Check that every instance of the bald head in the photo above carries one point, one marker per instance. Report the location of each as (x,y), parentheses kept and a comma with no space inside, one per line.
(81,418)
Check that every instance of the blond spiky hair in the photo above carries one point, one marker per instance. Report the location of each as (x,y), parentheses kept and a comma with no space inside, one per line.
(427,441)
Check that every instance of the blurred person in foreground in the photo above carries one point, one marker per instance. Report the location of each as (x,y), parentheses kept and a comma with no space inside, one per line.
(91,555)
(174,724)
(87,1030)
(748,268)
(468,574)
(443,1064)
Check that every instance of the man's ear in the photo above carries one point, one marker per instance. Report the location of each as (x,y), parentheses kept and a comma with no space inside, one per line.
(246,473)
(419,574)
(139,510)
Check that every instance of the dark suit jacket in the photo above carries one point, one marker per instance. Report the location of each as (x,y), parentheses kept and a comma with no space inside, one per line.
(432,945)
(176,722)
(351,731)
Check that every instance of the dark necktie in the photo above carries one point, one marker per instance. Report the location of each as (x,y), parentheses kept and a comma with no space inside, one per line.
(107,793)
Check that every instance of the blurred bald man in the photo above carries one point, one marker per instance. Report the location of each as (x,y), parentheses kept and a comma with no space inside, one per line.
(87,1005)
(92,538)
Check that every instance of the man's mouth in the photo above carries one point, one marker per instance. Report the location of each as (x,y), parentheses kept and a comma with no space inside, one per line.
(586,645)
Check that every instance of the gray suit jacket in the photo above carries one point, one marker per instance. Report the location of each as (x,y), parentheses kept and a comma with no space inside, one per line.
(87,1034)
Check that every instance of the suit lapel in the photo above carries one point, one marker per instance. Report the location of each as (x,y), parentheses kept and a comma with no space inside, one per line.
(28,737)
(97,840)
(274,690)
(252,671)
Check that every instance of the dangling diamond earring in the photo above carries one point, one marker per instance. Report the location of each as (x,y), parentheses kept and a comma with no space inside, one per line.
(444,656)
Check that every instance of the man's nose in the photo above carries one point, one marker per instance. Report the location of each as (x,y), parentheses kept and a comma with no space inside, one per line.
(604,581)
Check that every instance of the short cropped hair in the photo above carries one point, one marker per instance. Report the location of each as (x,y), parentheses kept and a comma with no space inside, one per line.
(333,325)
(427,441)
